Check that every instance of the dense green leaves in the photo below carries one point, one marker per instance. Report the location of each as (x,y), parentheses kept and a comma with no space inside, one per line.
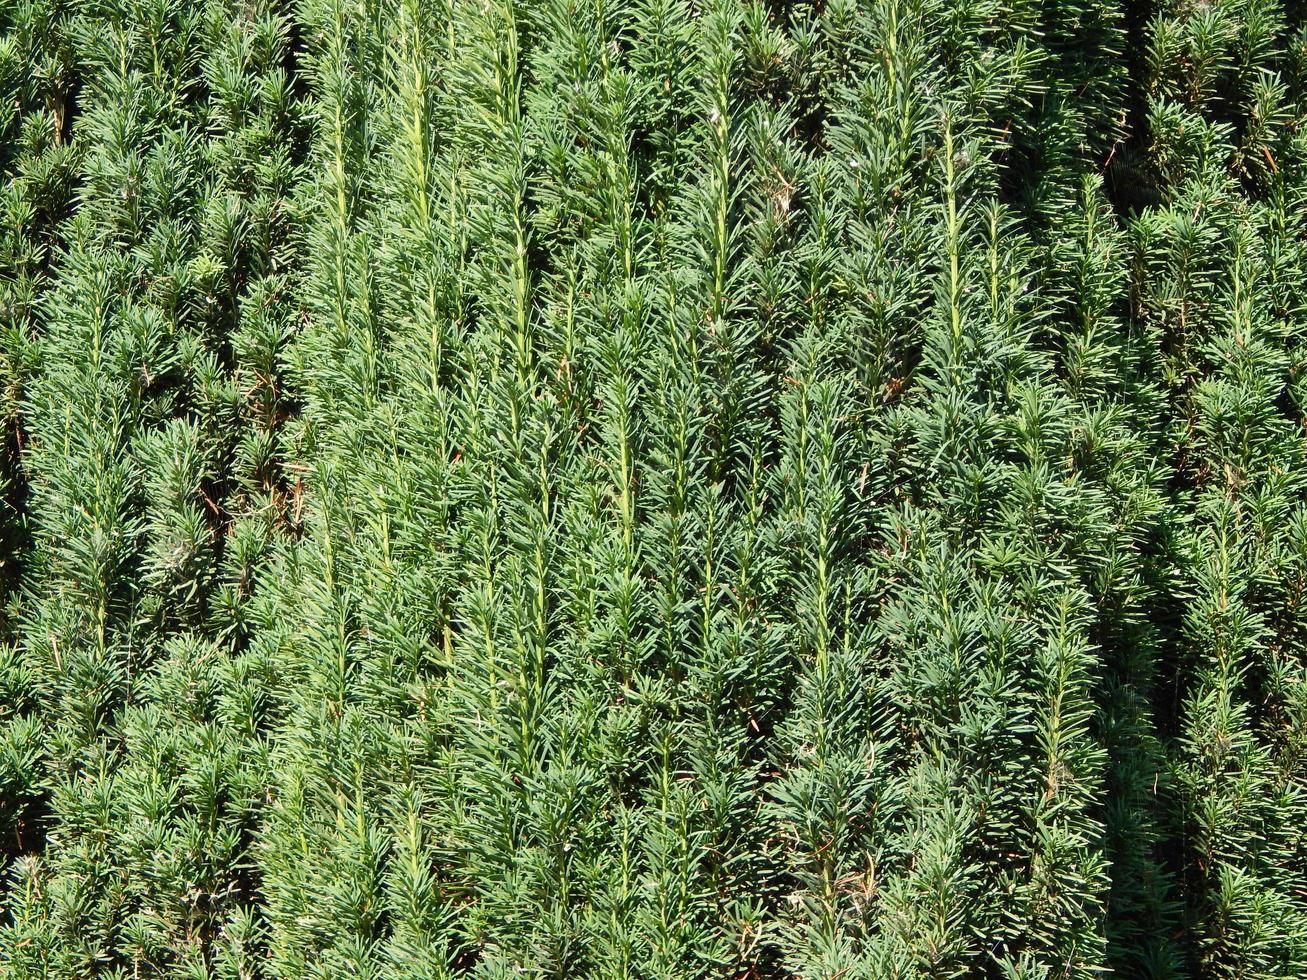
(649,488)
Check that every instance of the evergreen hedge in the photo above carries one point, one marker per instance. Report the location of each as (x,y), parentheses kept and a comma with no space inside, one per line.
(653,489)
